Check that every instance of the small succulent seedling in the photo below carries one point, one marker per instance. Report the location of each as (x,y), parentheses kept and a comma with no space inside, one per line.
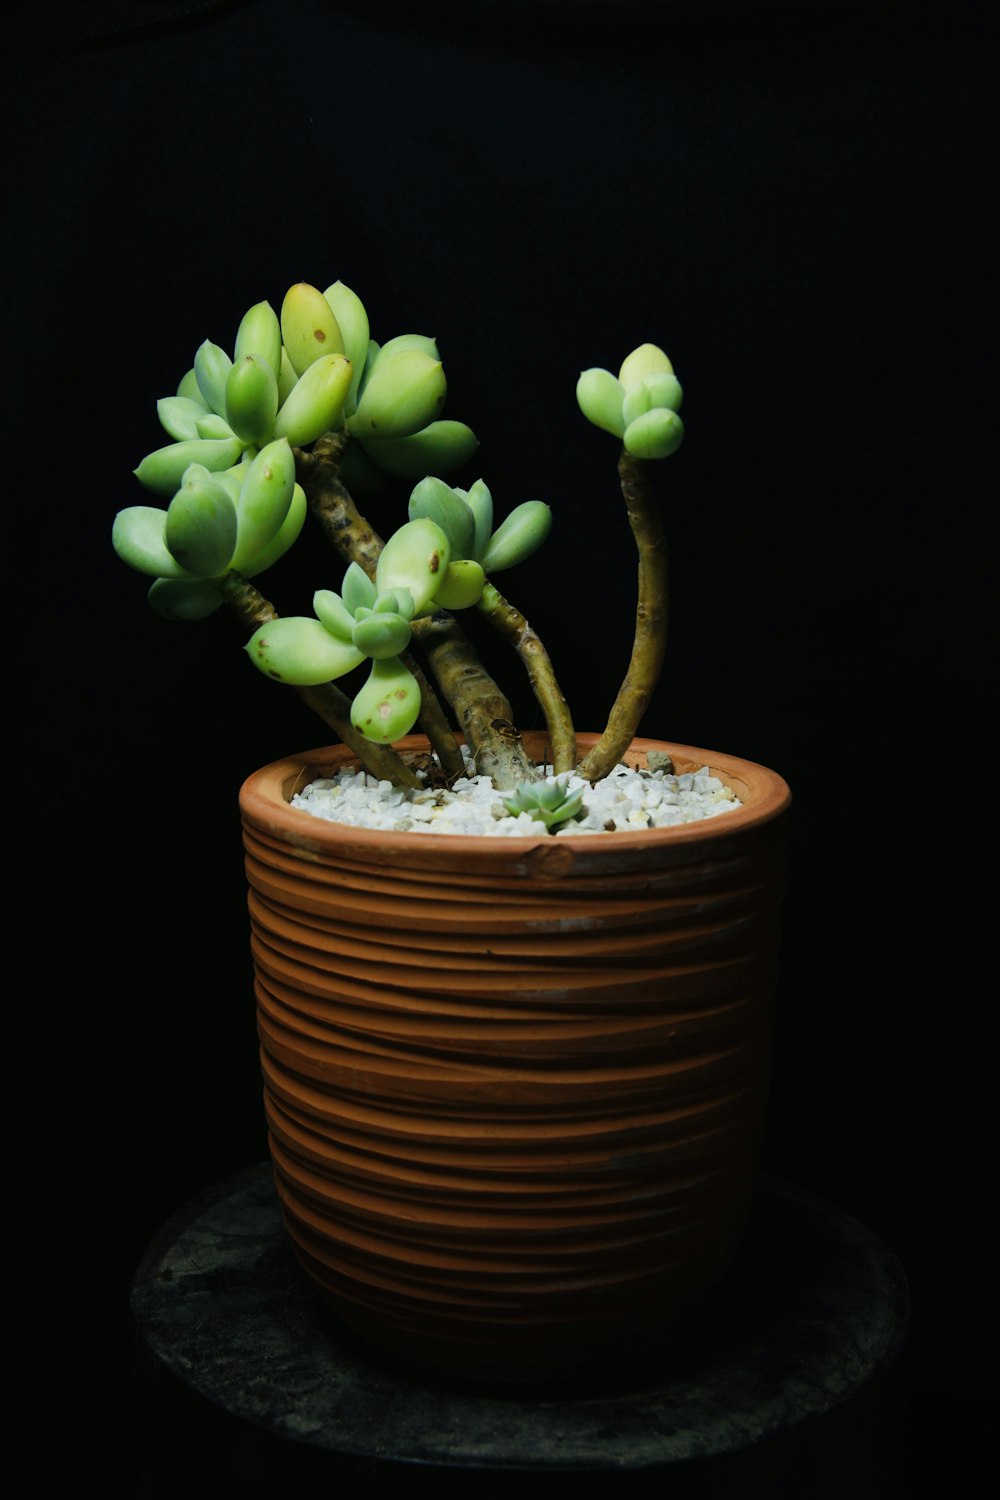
(306,411)
(549,802)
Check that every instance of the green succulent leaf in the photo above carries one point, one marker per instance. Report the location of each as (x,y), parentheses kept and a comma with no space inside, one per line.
(381,634)
(189,388)
(665,390)
(137,535)
(316,401)
(213,427)
(288,534)
(388,705)
(599,396)
(397,601)
(405,341)
(200,530)
(480,502)
(521,534)
(415,557)
(352,320)
(401,395)
(333,614)
(309,328)
(162,471)
(463,585)
(179,416)
(656,434)
(259,333)
(439,448)
(637,402)
(300,651)
(184,598)
(252,399)
(646,360)
(265,497)
(211,370)
(448,509)
(358,591)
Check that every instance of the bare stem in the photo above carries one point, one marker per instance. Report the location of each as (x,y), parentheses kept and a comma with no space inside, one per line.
(651,616)
(483,711)
(513,626)
(333,707)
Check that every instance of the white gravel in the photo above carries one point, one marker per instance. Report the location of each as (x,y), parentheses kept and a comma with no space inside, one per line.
(625,801)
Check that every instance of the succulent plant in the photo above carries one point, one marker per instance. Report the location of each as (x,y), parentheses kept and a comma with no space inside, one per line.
(307,410)
(549,802)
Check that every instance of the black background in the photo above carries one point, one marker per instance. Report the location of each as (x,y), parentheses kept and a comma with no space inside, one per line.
(793,200)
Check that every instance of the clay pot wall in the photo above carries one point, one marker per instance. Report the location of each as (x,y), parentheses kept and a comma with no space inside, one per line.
(515,1087)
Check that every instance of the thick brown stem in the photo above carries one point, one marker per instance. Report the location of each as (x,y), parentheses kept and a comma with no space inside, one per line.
(483,711)
(333,707)
(511,624)
(651,618)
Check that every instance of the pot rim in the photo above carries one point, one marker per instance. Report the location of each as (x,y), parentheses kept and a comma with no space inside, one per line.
(264,802)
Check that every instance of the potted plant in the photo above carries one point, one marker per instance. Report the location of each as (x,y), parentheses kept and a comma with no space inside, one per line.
(514,991)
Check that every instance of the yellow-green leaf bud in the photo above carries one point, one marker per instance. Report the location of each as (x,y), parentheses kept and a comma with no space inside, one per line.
(316,401)
(309,329)
(648,359)
(163,470)
(388,705)
(463,585)
(439,448)
(415,557)
(300,651)
(252,399)
(138,537)
(382,634)
(656,434)
(449,509)
(259,333)
(516,538)
(264,499)
(599,396)
(200,531)
(211,369)
(402,395)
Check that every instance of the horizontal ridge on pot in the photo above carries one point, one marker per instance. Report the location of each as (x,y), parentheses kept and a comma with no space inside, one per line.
(515,1088)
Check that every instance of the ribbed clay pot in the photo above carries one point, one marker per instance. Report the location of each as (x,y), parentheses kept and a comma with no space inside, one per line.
(515,1087)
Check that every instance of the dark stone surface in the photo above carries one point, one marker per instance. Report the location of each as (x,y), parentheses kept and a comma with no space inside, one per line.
(784,1387)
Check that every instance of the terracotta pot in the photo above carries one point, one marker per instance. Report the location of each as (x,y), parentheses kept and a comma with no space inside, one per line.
(515,1087)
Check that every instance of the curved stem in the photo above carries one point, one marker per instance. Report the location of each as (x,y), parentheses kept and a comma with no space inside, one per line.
(333,707)
(651,616)
(513,626)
